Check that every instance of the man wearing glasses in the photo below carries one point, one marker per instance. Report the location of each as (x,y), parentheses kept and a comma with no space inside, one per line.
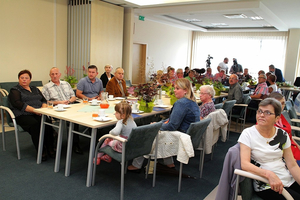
(235,90)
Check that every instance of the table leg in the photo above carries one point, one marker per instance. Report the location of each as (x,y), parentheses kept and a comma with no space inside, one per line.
(41,140)
(91,156)
(69,150)
(58,145)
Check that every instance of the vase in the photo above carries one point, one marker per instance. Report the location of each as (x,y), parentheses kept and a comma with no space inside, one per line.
(173,99)
(146,106)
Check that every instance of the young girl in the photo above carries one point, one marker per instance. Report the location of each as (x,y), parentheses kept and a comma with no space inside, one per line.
(123,129)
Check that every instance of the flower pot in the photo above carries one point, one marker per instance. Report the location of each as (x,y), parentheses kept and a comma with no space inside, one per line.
(218,92)
(146,106)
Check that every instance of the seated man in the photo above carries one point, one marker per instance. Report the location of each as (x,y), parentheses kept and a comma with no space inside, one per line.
(90,86)
(117,85)
(60,92)
(220,76)
(235,90)
(260,92)
(246,75)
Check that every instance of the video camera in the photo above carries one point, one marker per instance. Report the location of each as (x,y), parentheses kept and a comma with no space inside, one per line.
(208,61)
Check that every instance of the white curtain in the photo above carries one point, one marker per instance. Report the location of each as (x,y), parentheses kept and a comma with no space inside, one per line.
(255,51)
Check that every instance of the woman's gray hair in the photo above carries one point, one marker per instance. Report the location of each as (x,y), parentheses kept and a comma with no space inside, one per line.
(210,90)
(273,102)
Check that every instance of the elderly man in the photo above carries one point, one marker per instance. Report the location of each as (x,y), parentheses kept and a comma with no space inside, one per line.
(90,86)
(277,72)
(60,92)
(117,85)
(246,75)
(106,76)
(235,90)
(262,88)
(223,65)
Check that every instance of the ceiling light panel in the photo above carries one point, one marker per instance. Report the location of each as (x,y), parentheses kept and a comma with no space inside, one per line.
(235,16)
(156,2)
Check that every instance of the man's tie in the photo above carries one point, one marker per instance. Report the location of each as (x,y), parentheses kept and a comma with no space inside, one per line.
(122,90)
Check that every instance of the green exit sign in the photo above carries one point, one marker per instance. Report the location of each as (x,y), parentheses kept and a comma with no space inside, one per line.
(142,18)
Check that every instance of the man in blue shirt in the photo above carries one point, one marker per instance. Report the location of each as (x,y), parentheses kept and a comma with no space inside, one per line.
(90,86)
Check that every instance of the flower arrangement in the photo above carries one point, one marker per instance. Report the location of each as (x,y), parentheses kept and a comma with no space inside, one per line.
(70,78)
(146,95)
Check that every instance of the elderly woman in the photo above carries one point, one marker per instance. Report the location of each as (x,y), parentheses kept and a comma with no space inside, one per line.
(284,125)
(24,100)
(179,73)
(207,92)
(184,112)
(107,75)
(172,75)
(262,149)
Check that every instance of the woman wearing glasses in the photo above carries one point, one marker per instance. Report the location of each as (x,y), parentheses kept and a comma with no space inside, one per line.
(262,148)
(207,92)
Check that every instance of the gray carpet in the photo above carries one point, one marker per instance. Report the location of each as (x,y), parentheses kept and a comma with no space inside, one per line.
(24,179)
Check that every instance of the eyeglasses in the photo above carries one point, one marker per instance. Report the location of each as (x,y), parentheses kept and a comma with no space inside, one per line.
(266,113)
(201,93)
(232,79)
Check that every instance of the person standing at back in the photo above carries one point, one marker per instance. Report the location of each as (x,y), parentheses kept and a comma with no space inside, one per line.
(223,65)
(117,85)
(107,75)
(277,72)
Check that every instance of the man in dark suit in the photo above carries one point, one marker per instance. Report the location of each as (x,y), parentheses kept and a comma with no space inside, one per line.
(277,72)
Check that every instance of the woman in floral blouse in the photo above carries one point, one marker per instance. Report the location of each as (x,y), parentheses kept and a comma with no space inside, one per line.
(207,92)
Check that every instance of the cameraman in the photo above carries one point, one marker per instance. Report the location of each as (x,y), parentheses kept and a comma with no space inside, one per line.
(236,68)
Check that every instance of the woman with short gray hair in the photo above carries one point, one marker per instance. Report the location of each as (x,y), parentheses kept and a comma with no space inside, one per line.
(207,92)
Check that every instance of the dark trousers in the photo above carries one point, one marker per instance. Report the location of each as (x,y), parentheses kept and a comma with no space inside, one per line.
(294,190)
(32,124)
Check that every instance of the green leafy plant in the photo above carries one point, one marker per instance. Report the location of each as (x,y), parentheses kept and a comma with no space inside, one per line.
(72,80)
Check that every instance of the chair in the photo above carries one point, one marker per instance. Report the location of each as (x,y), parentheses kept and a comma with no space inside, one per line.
(248,191)
(227,106)
(218,105)
(242,116)
(197,133)
(138,144)
(128,83)
(10,119)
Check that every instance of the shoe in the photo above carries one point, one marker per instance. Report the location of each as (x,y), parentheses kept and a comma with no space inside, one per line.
(106,158)
(98,161)
(132,168)
(77,149)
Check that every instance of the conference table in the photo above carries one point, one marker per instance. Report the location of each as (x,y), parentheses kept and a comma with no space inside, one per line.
(288,91)
(82,114)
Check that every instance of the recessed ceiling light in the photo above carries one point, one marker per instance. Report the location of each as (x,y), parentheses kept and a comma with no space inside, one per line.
(235,16)
(192,20)
(154,2)
(256,18)
(219,24)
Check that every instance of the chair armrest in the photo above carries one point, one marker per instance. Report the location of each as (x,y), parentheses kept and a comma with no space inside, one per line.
(113,137)
(241,104)
(295,120)
(12,115)
(295,128)
(296,138)
(256,177)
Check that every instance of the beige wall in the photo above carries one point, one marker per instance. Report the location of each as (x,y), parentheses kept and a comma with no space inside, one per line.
(106,35)
(166,45)
(33,35)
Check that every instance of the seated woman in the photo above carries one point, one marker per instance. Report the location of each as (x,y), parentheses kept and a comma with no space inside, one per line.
(272,81)
(207,92)
(262,148)
(172,75)
(283,124)
(179,73)
(184,112)
(24,99)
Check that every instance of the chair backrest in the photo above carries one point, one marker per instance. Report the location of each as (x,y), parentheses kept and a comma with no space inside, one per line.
(8,85)
(286,116)
(128,83)
(196,131)
(8,117)
(140,140)
(247,99)
(227,106)
(288,105)
(218,106)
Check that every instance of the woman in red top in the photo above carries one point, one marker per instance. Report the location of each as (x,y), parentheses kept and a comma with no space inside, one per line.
(284,124)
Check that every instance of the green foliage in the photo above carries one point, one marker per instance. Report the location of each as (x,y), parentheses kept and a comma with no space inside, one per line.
(72,80)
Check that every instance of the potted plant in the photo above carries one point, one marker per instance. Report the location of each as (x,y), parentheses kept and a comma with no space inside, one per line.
(146,95)
(219,87)
(70,78)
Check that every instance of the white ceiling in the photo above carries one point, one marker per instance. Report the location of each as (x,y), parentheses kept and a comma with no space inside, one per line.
(278,15)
